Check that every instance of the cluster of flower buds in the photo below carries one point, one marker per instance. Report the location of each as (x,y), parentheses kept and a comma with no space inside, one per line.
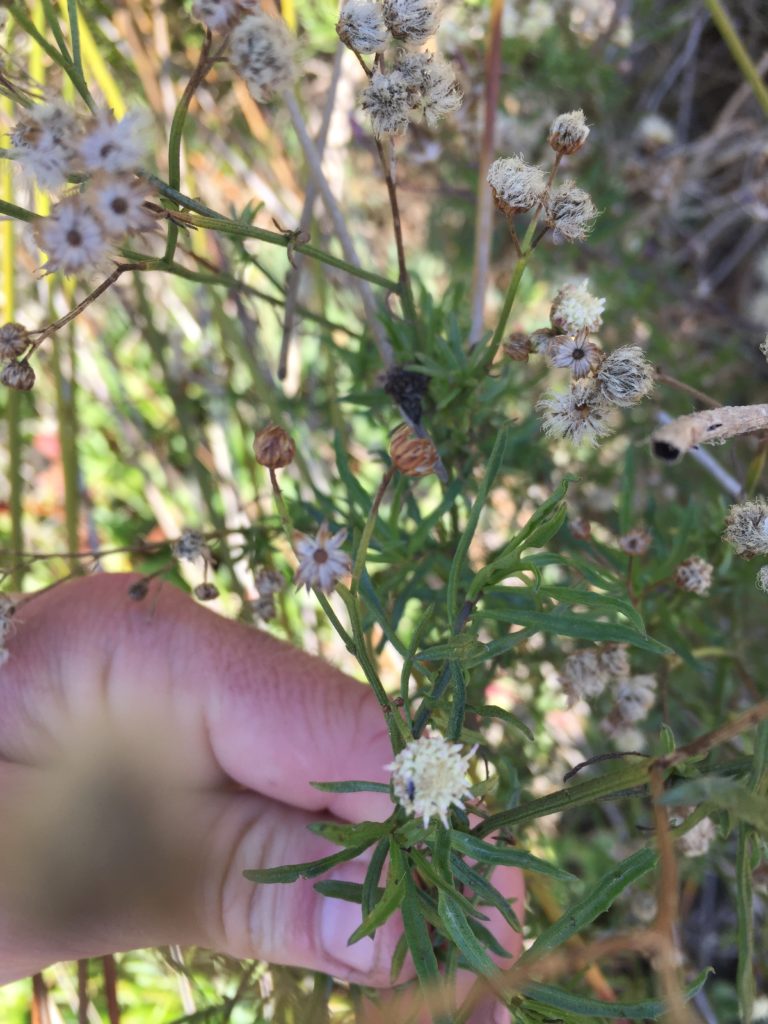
(53,144)
(259,47)
(14,343)
(599,381)
(418,86)
(269,582)
(588,673)
(7,609)
(746,530)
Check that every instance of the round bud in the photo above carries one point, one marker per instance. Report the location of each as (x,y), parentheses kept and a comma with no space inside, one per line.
(14,339)
(206,591)
(19,375)
(411,455)
(518,347)
(568,132)
(273,447)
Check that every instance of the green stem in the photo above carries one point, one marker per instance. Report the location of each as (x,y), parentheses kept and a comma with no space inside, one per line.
(282,508)
(365,539)
(511,295)
(738,51)
(67,417)
(16,486)
(64,63)
(74,32)
(51,16)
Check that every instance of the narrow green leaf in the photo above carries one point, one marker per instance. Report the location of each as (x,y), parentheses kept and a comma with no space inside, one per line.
(430,874)
(309,869)
(593,903)
(371,890)
(459,702)
(582,627)
(489,853)
(352,787)
(486,893)
(494,711)
(351,892)
(345,834)
(418,938)
(383,910)
(729,794)
(398,959)
(599,601)
(455,923)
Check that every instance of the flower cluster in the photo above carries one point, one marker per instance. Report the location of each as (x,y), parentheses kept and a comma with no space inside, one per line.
(418,86)
(588,673)
(429,777)
(269,582)
(746,530)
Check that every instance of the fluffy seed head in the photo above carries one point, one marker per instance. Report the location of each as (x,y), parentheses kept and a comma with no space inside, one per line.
(220,15)
(361,26)
(322,563)
(19,376)
(575,309)
(434,91)
(614,660)
(746,528)
(261,51)
(273,447)
(697,840)
(568,132)
(72,236)
(429,777)
(654,132)
(44,143)
(516,185)
(116,146)
(411,455)
(570,212)
(583,675)
(694,575)
(412,21)
(580,414)
(575,353)
(387,101)
(14,339)
(625,376)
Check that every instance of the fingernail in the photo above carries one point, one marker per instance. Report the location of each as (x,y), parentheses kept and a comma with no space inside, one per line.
(339,919)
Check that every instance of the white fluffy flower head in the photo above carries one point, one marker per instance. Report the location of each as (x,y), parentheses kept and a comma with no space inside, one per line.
(412,21)
(568,132)
(580,414)
(584,675)
(516,185)
(73,237)
(118,201)
(220,15)
(262,52)
(361,26)
(625,376)
(429,777)
(576,309)
(44,143)
(115,146)
(694,575)
(322,563)
(570,213)
(387,101)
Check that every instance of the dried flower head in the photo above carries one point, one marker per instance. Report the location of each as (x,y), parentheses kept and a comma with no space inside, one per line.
(697,840)
(412,21)
(433,89)
(518,347)
(516,185)
(44,143)
(570,212)
(269,582)
(635,697)
(761,580)
(407,388)
(580,414)
(263,607)
(625,376)
(387,101)
(118,200)
(206,591)
(583,676)
(14,339)
(614,660)
(694,575)
(7,611)
(575,353)
(273,447)
(654,132)
(220,15)
(361,26)
(73,237)
(117,146)
(576,309)
(543,338)
(411,455)
(568,132)
(625,737)
(190,546)
(635,542)
(746,528)
(429,776)
(261,51)
(19,376)
(764,347)
(321,562)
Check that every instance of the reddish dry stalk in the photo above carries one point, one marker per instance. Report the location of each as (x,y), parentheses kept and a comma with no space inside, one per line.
(82,991)
(110,989)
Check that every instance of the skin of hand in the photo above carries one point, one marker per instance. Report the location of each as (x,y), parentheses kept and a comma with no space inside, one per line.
(150,752)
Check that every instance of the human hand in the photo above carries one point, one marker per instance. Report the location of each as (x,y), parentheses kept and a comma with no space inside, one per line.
(149,753)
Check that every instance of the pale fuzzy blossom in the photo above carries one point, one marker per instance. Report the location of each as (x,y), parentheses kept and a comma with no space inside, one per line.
(634,698)
(321,562)
(746,528)
(575,309)
(361,26)
(73,238)
(760,1010)
(517,186)
(614,659)
(698,839)
(220,15)
(625,376)
(625,737)
(635,542)
(412,21)
(44,143)
(429,777)
(577,354)
(386,99)
(261,51)
(118,200)
(568,132)
(434,91)
(579,414)
(115,146)
(694,575)
(583,675)
(570,212)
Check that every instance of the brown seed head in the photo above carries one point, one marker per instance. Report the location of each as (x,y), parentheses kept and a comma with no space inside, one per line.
(206,591)
(518,347)
(273,447)
(19,375)
(412,455)
(14,339)
(568,132)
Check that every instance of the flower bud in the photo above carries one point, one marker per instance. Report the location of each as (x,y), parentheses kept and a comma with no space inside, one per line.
(14,339)
(411,455)
(206,591)
(568,132)
(19,375)
(273,447)
(518,347)
(635,542)
(694,575)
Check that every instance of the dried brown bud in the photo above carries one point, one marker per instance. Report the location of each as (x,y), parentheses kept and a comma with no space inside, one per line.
(14,339)
(206,591)
(694,575)
(581,528)
(138,590)
(273,447)
(635,542)
(412,455)
(518,347)
(19,375)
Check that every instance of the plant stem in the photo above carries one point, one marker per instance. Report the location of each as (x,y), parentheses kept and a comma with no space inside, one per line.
(74,32)
(64,63)
(511,294)
(282,508)
(365,539)
(732,40)
(406,292)
(67,417)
